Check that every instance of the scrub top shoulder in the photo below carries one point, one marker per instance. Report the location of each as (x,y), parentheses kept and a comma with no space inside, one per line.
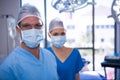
(22,65)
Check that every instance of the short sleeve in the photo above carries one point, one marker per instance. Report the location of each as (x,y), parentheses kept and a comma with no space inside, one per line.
(79,62)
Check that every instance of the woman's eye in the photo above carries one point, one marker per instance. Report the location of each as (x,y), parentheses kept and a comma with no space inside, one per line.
(59,34)
(55,34)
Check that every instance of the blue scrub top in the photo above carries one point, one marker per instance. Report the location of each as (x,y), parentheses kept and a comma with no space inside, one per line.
(22,65)
(72,65)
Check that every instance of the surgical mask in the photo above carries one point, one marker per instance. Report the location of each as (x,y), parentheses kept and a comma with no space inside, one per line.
(58,41)
(32,37)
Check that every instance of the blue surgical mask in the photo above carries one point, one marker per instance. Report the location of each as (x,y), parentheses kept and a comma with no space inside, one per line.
(58,41)
(32,37)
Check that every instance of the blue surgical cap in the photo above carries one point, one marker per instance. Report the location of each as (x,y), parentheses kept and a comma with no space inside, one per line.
(55,23)
(28,10)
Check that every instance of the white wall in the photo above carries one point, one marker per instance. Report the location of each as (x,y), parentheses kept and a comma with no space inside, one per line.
(7,7)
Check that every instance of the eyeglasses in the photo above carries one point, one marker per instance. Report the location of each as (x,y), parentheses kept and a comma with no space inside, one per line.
(29,26)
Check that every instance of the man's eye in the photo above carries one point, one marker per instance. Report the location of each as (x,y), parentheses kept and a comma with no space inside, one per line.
(38,26)
(63,33)
(26,25)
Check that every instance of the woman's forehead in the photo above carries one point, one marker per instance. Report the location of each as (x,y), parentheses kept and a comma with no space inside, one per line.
(58,30)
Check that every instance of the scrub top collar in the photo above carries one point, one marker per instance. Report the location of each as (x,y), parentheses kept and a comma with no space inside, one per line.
(40,60)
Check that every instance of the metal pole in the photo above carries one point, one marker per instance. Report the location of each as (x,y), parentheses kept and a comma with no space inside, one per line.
(45,11)
(93,32)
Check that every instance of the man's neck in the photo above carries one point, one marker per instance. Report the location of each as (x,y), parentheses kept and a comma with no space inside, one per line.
(33,51)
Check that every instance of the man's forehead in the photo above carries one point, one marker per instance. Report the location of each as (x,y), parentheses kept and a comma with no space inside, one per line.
(31,19)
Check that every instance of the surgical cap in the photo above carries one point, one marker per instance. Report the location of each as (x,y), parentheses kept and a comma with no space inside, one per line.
(28,10)
(55,23)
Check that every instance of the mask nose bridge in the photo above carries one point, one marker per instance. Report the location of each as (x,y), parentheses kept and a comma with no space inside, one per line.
(33,31)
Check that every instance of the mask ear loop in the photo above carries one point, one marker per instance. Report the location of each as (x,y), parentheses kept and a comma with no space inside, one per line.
(21,32)
(49,34)
(18,26)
